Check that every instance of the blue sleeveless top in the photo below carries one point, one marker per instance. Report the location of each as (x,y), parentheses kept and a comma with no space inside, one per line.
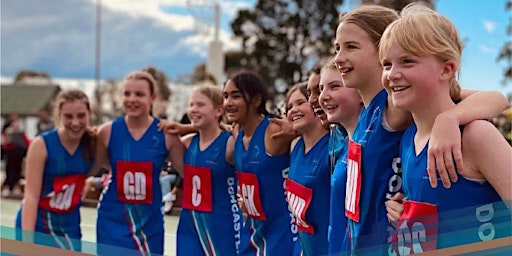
(204,235)
(469,211)
(312,170)
(277,234)
(59,164)
(380,180)
(137,226)
(337,218)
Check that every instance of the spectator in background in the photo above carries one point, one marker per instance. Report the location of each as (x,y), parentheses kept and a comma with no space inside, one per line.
(168,177)
(14,148)
(45,122)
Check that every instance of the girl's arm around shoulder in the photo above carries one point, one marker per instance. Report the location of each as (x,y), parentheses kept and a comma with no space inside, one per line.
(101,157)
(445,141)
(277,145)
(488,154)
(35,162)
(176,151)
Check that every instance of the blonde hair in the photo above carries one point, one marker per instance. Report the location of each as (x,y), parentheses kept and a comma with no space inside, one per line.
(422,31)
(330,65)
(88,140)
(373,19)
(214,93)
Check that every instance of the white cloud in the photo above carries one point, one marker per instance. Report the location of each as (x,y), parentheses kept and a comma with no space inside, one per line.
(489,26)
(38,35)
(486,49)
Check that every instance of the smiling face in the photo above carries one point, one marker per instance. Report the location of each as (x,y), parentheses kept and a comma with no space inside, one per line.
(74,118)
(299,112)
(202,112)
(313,91)
(234,103)
(137,97)
(357,57)
(341,104)
(410,79)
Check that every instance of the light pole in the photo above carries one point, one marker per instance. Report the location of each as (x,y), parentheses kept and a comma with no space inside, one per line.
(216,60)
(97,55)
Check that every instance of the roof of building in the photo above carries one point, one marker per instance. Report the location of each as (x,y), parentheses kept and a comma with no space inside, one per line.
(25,99)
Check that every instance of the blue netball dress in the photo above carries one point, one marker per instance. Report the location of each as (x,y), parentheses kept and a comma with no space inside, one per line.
(269,228)
(337,218)
(434,218)
(210,220)
(373,176)
(58,213)
(307,189)
(337,144)
(130,209)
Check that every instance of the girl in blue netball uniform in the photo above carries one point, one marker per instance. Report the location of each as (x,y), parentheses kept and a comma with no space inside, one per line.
(210,220)
(373,165)
(261,164)
(342,106)
(57,165)
(130,208)
(421,55)
(307,186)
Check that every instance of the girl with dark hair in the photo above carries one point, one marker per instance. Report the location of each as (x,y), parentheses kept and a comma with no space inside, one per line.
(261,164)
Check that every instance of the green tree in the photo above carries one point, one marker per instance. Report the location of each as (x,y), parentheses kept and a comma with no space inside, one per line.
(31,76)
(399,4)
(506,51)
(200,75)
(282,39)
(162,82)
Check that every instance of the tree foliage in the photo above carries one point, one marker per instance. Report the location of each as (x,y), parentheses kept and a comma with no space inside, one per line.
(399,4)
(200,76)
(31,76)
(281,39)
(162,82)
(506,50)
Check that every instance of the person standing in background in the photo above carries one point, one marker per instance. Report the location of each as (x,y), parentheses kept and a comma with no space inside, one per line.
(45,121)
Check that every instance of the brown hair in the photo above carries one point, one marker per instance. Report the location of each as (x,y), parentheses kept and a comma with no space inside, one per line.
(145,76)
(373,19)
(302,87)
(88,140)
